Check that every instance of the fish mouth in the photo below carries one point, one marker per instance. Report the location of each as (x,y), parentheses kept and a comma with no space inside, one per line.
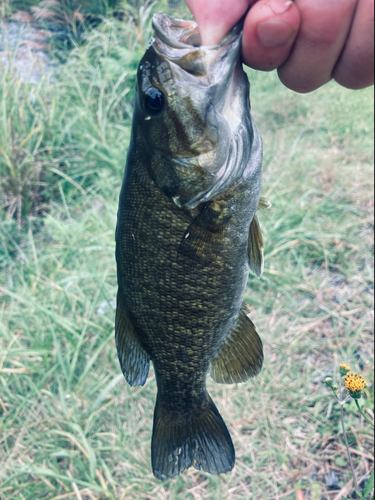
(180,34)
(176,33)
(180,43)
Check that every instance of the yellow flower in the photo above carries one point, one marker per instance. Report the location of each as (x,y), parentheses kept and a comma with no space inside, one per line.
(344,369)
(355,384)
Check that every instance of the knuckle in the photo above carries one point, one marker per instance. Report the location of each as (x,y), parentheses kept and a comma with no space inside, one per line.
(321,38)
(324,24)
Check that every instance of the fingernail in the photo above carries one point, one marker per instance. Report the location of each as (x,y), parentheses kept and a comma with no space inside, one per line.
(274,32)
(279,6)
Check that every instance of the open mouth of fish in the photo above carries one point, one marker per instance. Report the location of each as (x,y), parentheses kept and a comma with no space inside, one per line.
(180,42)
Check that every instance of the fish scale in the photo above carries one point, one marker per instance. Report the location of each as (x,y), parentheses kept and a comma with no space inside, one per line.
(186,238)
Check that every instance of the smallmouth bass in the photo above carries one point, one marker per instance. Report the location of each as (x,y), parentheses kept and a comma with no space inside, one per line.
(186,237)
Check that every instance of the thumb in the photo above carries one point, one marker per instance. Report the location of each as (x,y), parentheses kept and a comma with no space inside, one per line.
(270,30)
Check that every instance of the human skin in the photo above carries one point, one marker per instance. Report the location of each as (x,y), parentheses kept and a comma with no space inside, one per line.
(308,42)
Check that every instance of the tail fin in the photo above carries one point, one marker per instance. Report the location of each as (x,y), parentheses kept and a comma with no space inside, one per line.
(199,439)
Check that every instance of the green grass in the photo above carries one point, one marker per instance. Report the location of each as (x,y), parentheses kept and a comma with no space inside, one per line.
(74,126)
(70,425)
(70,128)
(97,7)
(69,12)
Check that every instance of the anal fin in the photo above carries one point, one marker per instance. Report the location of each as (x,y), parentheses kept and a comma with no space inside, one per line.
(134,360)
(240,357)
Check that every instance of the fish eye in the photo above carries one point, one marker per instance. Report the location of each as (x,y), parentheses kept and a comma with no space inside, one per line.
(154,101)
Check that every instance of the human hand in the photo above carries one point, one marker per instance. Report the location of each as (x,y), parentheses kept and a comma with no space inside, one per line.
(309,42)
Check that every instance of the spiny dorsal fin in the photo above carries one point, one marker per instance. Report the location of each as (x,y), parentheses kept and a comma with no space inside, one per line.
(240,357)
(255,248)
(134,360)
(264,204)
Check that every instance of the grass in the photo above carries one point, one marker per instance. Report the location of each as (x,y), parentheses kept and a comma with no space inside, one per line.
(70,127)
(74,126)
(70,425)
(100,7)
(72,12)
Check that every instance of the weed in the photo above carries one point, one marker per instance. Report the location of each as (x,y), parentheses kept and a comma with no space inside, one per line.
(355,385)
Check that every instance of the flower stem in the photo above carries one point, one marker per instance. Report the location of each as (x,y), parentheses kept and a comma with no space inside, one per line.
(363,415)
(347,447)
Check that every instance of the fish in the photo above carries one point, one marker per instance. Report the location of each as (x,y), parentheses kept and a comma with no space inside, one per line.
(187,235)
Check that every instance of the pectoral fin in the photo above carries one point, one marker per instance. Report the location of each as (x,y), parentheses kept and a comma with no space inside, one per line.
(264,204)
(240,356)
(134,360)
(255,248)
